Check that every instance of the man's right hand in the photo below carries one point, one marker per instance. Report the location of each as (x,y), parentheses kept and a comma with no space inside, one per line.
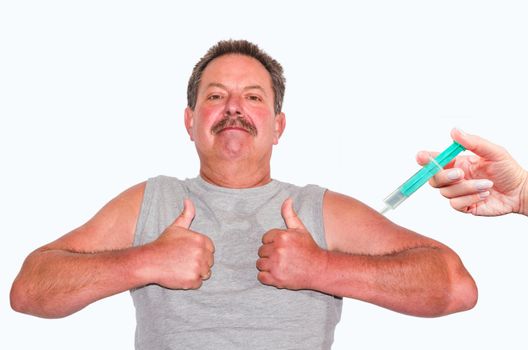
(180,258)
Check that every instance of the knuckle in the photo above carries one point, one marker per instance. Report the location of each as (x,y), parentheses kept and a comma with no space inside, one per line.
(196,283)
(198,238)
(280,252)
(281,238)
(195,280)
(194,268)
(284,238)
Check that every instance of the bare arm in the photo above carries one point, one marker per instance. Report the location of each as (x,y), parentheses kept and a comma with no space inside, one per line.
(374,260)
(91,262)
(98,260)
(368,258)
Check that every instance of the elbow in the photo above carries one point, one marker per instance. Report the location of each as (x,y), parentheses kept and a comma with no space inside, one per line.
(27,295)
(464,294)
(23,301)
(460,295)
(463,291)
(18,299)
(456,292)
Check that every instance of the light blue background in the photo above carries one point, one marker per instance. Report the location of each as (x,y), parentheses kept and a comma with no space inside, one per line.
(92,97)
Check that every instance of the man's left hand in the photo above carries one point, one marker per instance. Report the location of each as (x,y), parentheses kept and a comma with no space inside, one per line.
(290,258)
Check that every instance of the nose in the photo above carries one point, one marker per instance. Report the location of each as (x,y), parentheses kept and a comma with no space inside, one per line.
(233,105)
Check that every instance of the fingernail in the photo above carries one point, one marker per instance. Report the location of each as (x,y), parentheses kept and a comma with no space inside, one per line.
(484,194)
(423,154)
(461,131)
(453,174)
(483,185)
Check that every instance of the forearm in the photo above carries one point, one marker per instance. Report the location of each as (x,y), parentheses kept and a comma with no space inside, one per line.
(57,283)
(419,281)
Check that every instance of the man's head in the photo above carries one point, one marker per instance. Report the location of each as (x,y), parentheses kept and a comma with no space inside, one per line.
(232,113)
(241,47)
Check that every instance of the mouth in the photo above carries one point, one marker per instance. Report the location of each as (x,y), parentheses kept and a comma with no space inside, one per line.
(239,123)
(232,128)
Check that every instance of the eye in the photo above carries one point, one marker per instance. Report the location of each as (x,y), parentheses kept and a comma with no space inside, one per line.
(254,98)
(213,97)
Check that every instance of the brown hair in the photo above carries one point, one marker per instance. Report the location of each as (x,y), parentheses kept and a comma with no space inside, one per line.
(241,47)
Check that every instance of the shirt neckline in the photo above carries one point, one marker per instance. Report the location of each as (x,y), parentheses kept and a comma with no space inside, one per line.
(252,191)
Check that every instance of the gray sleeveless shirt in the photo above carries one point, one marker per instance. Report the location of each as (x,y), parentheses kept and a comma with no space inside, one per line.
(232,310)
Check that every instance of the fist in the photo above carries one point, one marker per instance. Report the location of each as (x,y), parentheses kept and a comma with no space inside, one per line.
(181,258)
(287,257)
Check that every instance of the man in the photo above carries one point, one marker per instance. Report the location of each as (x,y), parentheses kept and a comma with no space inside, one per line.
(233,259)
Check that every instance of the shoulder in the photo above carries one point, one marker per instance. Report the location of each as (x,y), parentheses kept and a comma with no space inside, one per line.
(130,198)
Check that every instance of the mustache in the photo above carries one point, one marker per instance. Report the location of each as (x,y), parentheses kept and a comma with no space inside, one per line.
(237,122)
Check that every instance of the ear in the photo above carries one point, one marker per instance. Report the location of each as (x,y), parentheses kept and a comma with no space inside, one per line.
(280,125)
(189,121)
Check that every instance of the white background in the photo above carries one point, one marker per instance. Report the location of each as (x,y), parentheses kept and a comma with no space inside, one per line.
(92,97)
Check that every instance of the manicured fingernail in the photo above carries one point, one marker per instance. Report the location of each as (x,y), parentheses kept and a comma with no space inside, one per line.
(483,185)
(484,194)
(461,131)
(453,174)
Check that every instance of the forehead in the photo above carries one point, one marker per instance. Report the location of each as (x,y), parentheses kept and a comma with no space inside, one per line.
(238,70)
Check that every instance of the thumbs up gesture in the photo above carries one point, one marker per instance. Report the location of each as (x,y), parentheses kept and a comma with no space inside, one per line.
(180,258)
(287,257)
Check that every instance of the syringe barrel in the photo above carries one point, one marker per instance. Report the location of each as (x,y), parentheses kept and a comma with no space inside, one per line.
(430,169)
(395,198)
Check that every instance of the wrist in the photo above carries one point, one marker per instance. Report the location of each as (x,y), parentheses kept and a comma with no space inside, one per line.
(523,209)
(139,270)
(319,269)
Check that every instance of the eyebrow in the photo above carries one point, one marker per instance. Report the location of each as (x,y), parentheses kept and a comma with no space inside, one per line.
(249,87)
(258,87)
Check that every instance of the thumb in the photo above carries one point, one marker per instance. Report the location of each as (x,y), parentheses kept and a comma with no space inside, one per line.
(478,145)
(186,216)
(290,216)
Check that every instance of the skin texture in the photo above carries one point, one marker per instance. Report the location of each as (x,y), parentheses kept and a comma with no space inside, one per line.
(368,257)
(488,183)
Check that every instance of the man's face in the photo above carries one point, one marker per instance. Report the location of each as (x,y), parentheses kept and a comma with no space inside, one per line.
(234,115)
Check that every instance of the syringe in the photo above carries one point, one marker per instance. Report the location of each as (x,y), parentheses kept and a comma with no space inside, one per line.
(422,176)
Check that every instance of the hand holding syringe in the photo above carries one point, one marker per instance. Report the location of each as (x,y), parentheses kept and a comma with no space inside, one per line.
(422,176)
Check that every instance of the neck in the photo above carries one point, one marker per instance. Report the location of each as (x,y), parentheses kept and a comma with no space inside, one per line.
(235,175)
